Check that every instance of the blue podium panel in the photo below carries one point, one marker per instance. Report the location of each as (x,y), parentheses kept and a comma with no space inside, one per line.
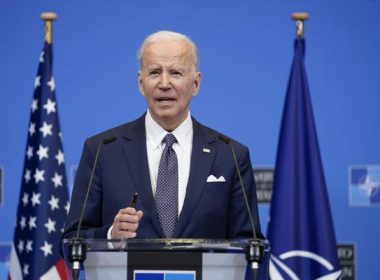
(148,276)
(164,275)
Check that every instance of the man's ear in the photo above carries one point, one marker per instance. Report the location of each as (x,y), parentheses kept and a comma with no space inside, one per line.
(197,83)
(140,82)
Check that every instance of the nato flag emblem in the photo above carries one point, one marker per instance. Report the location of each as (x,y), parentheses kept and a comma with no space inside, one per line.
(364,185)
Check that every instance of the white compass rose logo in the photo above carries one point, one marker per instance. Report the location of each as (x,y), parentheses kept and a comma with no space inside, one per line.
(276,265)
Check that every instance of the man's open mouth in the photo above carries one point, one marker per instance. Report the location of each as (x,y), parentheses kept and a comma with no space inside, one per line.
(165,100)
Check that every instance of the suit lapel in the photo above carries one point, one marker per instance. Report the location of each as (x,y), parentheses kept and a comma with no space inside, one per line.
(134,148)
(201,162)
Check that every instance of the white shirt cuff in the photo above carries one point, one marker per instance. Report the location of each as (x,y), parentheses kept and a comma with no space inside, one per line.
(114,245)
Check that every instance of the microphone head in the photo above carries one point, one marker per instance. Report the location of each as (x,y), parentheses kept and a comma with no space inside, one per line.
(108,140)
(224,138)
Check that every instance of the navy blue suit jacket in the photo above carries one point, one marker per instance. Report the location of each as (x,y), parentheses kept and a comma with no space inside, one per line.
(210,210)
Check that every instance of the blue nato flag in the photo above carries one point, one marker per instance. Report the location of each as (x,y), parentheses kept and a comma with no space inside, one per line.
(300,231)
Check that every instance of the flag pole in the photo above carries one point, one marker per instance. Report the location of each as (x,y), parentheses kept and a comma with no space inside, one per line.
(35,252)
(300,19)
(304,239)
(48,17)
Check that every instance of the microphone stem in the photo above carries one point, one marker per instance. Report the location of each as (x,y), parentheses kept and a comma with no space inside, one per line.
(77,246)
(253,249)
(88,189)
(243,191)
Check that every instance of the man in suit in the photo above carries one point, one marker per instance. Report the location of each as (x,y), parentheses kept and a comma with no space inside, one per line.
(183,172)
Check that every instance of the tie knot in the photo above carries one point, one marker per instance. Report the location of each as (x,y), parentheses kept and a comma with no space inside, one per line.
(169,139)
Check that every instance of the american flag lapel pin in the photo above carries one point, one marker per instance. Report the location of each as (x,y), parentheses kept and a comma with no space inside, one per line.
(205,150)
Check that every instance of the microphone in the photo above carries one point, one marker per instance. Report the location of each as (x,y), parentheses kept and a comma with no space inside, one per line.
(254,250)
(77,246)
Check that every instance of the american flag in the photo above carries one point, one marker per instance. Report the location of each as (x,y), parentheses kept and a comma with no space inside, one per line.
(43,200)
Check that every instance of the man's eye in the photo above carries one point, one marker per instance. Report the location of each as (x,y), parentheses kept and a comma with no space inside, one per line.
(154,73)
(176,73)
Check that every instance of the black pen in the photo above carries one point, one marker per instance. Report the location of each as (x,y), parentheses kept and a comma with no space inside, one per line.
(134,200)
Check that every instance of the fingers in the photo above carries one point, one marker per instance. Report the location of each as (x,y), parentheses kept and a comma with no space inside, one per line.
(139,214)
(126,223)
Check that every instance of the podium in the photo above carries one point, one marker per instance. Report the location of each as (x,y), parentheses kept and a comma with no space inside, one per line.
(168,259)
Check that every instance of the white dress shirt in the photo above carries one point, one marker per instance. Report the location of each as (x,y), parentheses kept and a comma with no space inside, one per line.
(154,146)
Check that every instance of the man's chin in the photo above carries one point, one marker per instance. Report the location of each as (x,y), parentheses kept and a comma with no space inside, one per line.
(165,113)
(167,119)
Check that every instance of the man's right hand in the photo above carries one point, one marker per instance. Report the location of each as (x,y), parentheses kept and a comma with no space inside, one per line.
(126,223)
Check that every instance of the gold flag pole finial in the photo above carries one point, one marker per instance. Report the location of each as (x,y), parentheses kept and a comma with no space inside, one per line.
(299,18)
(48,18)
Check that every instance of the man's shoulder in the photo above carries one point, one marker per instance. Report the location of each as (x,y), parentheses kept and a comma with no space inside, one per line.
(215,135)
(123,130)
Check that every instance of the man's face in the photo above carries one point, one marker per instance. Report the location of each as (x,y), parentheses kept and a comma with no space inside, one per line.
(168,81)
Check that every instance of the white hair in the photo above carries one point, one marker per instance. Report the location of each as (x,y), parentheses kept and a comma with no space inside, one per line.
(162,36)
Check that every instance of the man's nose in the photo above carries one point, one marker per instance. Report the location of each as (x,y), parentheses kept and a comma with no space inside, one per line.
(165,81)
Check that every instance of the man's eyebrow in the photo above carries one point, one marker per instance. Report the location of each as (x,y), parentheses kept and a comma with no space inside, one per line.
(153,68)
(178,68)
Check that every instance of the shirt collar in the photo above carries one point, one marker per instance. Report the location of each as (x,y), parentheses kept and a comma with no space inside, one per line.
(155,133)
